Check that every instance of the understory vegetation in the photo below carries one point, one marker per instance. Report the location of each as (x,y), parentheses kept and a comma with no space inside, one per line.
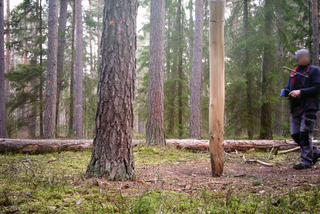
(55,183)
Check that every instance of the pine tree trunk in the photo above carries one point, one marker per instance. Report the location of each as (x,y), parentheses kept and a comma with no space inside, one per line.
(180,68)
(315,32)
(39,12)
(3,114)
(155,122)
(196,83)
(249,78)
(71,110)
(51,84)
(267,64)
(8,47)
(78,72)
(112,155)
(171,78)
(191,32)
(60,56)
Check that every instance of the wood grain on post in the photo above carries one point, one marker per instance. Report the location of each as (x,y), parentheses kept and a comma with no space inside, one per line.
(217,86)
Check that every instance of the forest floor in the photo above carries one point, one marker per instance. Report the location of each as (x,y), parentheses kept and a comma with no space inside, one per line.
(168,181)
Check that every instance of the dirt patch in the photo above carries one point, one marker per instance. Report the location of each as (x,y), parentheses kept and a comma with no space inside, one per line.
(239,177)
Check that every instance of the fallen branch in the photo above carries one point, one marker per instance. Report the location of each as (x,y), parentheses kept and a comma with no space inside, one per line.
(289,150)
(259,162)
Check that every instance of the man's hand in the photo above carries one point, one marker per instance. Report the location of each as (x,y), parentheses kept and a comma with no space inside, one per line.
(295,93)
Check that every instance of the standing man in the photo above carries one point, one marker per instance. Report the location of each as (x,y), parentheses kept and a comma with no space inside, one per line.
(303,90)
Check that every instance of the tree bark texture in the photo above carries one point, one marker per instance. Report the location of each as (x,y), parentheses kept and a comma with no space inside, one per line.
(155,122)
(28,146)
(60,56)
(3,114)
(78,72)
(112,155)
(51,84)
(315,32)
(196,79)
(267,67)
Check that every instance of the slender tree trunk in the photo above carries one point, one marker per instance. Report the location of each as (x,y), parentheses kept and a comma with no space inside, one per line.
(196,83)
(41,64)
(71,110)
(191,31)
(249,78)
(51,84)
(112,155)
(180,68)
(155,121)
(60,56)
(8,47)
(171,73)
(78,72)
(315,32)
(91,40)
(3,114)
(267,67)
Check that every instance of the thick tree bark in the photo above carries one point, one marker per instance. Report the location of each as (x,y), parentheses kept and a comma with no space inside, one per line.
(78,72)
(3,114)
(196,79)
(60,56)
(155,122)
(249,78)
(315,32)
(112,155)
(267,67)
(51,84)
(27,146)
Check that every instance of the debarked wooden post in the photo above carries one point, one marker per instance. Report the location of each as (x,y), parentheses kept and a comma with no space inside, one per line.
(217,86)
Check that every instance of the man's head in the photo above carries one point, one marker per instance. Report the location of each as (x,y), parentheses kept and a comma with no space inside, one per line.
(303,57)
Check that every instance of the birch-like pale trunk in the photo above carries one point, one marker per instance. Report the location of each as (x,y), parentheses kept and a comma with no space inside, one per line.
(78,72)
(51,82)
(196,78)
(155,122)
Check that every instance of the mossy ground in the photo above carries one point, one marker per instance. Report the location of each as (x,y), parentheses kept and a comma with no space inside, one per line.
(55,183)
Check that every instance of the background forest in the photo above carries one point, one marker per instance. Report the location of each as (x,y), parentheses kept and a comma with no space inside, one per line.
(261,37)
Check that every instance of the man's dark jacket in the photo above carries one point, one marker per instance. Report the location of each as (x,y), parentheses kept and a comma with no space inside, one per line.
(309,84)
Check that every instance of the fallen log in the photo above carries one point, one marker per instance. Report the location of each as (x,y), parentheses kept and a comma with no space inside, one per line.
(233,145)
(29,146)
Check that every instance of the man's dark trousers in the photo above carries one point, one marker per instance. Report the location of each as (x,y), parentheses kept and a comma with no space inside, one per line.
(302,126)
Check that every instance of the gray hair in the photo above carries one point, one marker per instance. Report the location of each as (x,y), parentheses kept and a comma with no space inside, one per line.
(302,52)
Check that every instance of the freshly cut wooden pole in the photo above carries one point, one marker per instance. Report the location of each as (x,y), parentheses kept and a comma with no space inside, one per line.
(217,86)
